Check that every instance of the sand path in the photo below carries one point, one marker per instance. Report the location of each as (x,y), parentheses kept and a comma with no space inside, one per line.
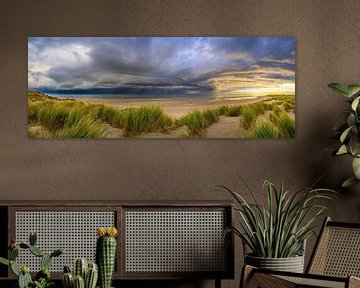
(227,127)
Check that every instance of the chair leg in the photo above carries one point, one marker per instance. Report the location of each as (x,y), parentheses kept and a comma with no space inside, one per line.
(217,283)
(354,282)
(246,273)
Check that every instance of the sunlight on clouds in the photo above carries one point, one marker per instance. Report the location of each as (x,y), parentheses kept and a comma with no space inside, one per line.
(235,65)
(275,60)
(239,56)
(256,81)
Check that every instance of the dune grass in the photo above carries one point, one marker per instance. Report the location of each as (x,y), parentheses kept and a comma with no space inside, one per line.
(284,124)
(248,117)
(145,119)
(250,112)
(223,110)
(230,111)
(108,114)
(73,119)
(265,129)
(287,101)
(210,117)
(67,118)
(277,124)
(84,127)
(197,121)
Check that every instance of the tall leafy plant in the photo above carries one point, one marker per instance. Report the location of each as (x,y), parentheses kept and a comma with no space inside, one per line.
(349,131)
(279,229)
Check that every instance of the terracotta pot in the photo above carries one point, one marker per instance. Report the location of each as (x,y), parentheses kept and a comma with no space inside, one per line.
(291,264)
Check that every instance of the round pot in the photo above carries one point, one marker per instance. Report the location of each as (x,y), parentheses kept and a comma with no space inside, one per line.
(291,264)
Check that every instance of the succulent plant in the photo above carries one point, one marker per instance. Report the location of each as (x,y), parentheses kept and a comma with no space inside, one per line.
(80,267)
(25,279)
(106,254)
(68,278)
(85,275)
(42,278)
(79,282)
(91,276)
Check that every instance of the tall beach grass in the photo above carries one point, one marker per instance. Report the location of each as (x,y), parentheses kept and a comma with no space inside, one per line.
(265,129)
(197,121)
(145,119)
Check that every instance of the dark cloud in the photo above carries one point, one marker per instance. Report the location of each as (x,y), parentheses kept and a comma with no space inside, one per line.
(187,63)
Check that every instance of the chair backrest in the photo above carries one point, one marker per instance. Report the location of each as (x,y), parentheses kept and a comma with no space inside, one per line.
(337,251)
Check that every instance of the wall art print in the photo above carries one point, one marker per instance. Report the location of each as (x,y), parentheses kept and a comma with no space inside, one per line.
(161,87)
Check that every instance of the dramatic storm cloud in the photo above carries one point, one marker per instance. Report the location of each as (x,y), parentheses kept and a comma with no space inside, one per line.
(183,65)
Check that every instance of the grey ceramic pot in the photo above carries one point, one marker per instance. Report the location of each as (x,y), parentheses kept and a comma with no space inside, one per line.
(291,264)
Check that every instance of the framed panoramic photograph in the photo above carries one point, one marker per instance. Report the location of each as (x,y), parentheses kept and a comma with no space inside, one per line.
(161,87)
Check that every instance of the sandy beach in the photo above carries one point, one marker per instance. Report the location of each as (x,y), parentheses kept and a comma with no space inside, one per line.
(175,108)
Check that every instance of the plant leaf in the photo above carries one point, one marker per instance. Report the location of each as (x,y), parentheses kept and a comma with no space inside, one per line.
(349,182)
(353,89)
(4,261)
(356,167)
(342,150)
(351,119)
(340,88)
(279,228)
(355,103)
(345,134)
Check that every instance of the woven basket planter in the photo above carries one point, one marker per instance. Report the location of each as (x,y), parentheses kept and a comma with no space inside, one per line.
(291,264)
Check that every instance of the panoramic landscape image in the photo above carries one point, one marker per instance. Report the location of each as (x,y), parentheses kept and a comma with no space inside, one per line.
(161,87)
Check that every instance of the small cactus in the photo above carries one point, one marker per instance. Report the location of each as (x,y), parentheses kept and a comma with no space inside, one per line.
(4,261)
(13,253)
(57,252)
(24,280)
(36,251)
(79,282)
(23,273)
(106,254)
(80,268)
(44,273)
(32,239)
(45,261)
(90,272)
(67,269)
(68,280)
(91,276)
(14,268)
(24,246)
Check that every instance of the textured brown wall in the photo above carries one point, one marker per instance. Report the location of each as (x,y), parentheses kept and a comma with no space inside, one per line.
(328,41)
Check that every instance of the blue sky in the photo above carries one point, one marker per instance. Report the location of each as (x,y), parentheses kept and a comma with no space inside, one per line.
(189,65)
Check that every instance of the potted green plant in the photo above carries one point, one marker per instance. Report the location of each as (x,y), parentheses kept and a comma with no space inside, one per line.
(42,278)
(275,233)
(349,131)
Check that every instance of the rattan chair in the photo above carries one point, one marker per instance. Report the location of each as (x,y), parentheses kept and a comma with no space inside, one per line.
(334,263)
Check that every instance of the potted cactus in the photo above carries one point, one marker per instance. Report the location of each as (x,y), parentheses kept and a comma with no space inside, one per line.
(42,278)
(85,275)
(106,254)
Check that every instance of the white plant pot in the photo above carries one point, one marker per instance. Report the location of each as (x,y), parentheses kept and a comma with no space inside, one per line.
(291,264)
